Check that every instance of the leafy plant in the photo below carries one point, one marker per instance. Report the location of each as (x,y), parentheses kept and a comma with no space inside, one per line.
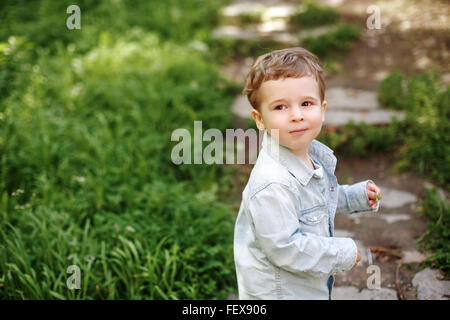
(392,91)
(437,236)
(315,15)
(361,139)
(334,43)
(426,142)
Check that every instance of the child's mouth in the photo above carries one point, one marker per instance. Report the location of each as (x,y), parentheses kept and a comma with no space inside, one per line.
(298,132)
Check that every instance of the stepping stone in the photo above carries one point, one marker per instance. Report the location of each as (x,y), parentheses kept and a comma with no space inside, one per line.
(353,293)
(272,26)
(392,198)
(345,98)
(279,12)
(266,10)
(393,217)
(316,31)
(232,32)
(413,256)
(341,117)
(429,287)
(388,217)
(242,8)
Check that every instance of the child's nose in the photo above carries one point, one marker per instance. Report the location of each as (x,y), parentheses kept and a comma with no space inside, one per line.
(297,113)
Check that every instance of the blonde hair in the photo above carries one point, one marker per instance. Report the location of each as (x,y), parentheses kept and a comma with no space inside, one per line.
(285,63)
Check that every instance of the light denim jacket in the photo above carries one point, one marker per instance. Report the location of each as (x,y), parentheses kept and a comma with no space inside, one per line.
(283,242)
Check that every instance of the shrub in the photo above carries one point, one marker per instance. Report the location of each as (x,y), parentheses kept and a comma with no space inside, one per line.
(360,139)
(315,15)
(426,142)
(334,43)
(437,236)
(391,91)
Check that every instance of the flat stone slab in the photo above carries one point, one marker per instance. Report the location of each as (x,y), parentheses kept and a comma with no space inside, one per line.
(429,287)
(393,198)
(347,98)
(233,32)
(242,8)
(388,217)
(268,10)
(273,29)
(353,293)
(413,256)
(336,118)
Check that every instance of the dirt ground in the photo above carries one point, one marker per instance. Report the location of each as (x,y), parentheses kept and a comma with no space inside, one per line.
(414,37)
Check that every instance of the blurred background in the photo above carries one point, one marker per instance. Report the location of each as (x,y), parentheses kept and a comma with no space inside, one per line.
(86,117)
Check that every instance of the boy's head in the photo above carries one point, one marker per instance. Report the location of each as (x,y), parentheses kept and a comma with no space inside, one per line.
(286,90)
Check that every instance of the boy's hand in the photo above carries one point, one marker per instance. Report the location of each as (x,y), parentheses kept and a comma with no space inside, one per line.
(358,258)
(373,193)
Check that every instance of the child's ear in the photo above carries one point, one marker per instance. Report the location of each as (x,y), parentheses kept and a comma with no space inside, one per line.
(258,119)
(324,107)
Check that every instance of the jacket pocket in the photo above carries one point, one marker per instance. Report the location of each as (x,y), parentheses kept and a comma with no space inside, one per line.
(314,220)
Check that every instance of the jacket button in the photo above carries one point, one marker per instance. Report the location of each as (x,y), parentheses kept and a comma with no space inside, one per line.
(332,189)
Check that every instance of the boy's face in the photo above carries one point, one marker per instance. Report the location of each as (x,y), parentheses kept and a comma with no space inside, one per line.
(291,104)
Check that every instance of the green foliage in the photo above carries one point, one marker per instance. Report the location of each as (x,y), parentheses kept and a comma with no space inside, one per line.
(86,176)
(224,49)
(44,21)
(248,18)
(334,43)
(14,54)
(425,129)
(315,15)
(437,236)
(391,91)
(361,139)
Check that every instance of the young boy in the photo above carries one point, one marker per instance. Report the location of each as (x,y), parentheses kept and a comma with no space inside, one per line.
(283,244)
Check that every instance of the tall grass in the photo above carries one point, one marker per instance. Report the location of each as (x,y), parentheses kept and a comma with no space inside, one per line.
(86,177)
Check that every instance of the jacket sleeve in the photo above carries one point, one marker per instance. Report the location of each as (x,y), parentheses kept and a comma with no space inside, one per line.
(353,198)
(277,230)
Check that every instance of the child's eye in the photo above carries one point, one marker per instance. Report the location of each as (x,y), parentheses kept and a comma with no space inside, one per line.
(310,103)
(280,107)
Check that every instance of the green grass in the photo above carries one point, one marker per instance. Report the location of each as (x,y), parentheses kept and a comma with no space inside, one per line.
(86,177)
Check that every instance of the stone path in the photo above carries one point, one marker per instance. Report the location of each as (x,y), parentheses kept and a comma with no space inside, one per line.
(396,226)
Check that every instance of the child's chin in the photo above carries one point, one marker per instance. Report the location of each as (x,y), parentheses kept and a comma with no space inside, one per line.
(295,146)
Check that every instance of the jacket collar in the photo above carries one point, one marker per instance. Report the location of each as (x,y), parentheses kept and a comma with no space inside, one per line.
(317,151)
